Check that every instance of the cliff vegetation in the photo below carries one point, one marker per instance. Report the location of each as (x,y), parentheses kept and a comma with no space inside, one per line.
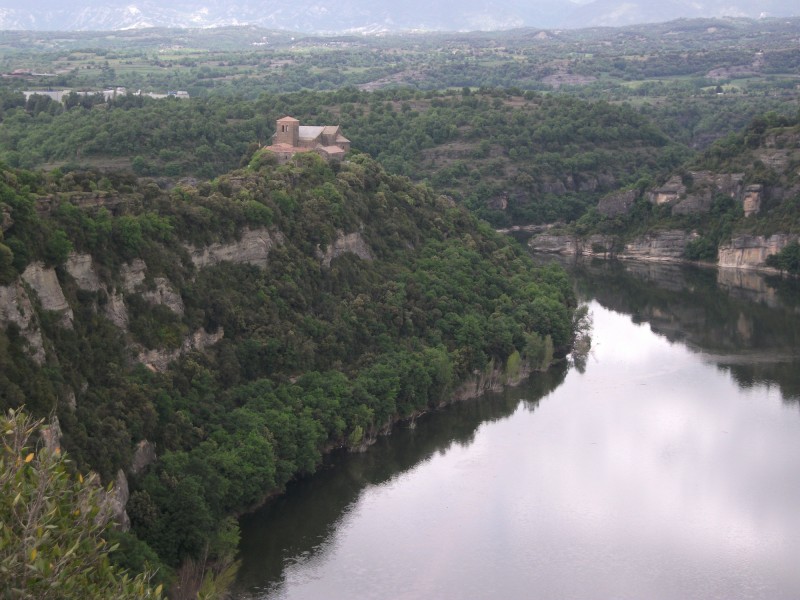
(204,344)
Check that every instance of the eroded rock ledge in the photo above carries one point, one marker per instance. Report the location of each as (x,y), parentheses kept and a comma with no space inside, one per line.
(344,243)
(158,359)
(742,252)
(252,248)
(16,308)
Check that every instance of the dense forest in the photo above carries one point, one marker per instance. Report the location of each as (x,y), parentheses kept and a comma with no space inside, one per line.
(320,344)
(205,323)
(511,157)
(746,184)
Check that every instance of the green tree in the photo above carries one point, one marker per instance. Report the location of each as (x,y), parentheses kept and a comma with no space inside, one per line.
(53,526)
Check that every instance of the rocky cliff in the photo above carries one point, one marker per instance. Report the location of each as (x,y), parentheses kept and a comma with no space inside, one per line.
(252,247)
(16,308)
(45,283)
(659,246)
(352,243)
(742,252)
(735,206)
(751,251)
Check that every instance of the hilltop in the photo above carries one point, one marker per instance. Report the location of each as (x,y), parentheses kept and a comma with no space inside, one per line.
(735,205)
(201,346)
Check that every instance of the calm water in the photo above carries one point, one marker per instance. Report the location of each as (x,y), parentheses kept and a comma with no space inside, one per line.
(667,466)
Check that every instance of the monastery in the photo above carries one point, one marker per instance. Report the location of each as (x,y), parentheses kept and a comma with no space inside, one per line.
(291,137)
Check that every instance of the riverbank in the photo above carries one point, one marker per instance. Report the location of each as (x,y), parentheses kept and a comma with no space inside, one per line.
(743,252)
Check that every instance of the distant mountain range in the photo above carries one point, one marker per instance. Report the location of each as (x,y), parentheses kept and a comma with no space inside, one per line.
(335,16)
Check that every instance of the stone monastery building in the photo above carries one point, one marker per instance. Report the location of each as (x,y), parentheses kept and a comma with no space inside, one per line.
(291,137)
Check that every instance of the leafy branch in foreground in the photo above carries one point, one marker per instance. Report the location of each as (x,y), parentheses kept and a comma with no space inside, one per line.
(52,525)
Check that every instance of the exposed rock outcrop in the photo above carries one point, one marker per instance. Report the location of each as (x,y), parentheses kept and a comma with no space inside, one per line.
(158,359)
(491,381)
(165,294)
(81,267)
(116,311)
(133,274)
(698,195)
(659,246)
(51,435)
(751,200)
(554,244)
(133,278)
(667,193)
(16,307)
(572,245)
(143,456)
(618,203)
(351,242)
(71,400)
(117,500)
(668,245)
(252,248)
(751,251)
(45,283)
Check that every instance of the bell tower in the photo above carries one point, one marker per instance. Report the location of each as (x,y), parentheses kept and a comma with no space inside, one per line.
(287,131)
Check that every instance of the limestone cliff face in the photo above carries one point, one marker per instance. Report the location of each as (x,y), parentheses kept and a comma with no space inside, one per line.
(113,502)
(158,359)
(572,245)
(81,267)
(667,193)
(116,311)
(667,246)
(165,294)
(133,274)
(554,244)
(143,456)
(16,307)
(45,283)
(751,251)
(698,196)
(133,281)
(252,248)
(752,198)
(618,203)
(660,246)
(353,243)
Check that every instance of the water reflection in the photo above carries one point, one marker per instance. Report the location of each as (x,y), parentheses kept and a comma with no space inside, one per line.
(667,468)
(296,527)
(744,322)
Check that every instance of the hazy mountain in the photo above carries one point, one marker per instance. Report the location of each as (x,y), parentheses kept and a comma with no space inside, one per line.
(615,13)
(368,15)
(300,15)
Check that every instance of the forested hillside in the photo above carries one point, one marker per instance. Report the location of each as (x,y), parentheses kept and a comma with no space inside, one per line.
(510,158)
(237,329)
(735,204)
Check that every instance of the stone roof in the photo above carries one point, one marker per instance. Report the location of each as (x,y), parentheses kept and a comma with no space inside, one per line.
(330,129)
(284,148)
(288,119)
(331,149)
(310,132)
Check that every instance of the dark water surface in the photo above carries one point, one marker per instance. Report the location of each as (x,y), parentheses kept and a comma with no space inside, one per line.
(667,466)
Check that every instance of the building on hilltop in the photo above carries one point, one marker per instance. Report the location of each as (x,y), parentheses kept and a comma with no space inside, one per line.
(290,138)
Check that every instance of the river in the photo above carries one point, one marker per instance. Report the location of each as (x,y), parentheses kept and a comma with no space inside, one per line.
(664,465)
